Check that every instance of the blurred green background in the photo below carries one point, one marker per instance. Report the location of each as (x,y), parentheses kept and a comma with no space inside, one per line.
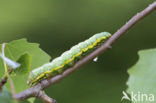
(59,24)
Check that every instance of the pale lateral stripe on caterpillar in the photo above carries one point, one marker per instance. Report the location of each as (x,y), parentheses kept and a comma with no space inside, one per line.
(67,59)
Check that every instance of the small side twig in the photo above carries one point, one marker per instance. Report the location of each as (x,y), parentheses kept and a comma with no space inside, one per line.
(42,95)
(45,83)
(2,82)
(4,79)
(12,87)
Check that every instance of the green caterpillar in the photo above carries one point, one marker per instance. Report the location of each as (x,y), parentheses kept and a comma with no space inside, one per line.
(68,58)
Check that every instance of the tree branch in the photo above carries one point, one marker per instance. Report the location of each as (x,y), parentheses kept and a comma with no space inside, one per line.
(45,83)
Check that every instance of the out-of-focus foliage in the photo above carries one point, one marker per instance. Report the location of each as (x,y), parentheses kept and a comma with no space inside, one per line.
(59,24)
(142,76)
(6,97)
(29,55)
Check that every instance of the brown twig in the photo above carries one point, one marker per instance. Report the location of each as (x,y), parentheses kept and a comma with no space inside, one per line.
(4,79)
(45,83)
(45,97)
(2,82)
(12,86)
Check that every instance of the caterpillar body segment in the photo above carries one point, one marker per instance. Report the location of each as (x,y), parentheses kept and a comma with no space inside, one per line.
(67,59)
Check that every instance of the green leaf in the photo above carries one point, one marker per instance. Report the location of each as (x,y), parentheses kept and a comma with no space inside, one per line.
(24,101)
(6,97)
(25,61)
(142,76)
(29,55)
(31,100)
